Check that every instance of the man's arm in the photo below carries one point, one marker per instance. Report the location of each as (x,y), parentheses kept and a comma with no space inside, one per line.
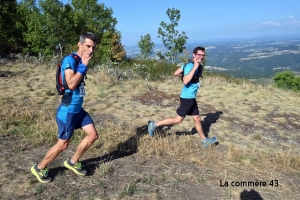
(73,80)
(178,72)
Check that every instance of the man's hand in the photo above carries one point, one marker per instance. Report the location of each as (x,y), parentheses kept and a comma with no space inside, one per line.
(82,68)
(197,62)
(86,58)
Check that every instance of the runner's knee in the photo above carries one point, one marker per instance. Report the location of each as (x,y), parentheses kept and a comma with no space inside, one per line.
(93,137)
(179,120)
(62,145)
(96,137)
(196,118)
(65,146)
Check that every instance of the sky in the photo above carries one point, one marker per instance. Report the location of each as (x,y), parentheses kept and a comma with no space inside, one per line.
(205,20)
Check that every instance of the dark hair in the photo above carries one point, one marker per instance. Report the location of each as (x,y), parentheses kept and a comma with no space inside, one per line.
(89,35)
(198,49)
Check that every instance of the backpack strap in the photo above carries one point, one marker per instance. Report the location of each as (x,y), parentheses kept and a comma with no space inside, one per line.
(200,71)
(189,61)
(75,56)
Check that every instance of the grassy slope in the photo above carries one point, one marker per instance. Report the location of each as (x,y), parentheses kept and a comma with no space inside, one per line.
(258,128)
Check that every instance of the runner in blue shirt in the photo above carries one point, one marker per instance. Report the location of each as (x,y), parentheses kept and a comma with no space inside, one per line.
(70,115)
(188,103)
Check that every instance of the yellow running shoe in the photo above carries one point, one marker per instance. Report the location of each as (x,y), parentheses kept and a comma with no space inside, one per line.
(41,174)
(77,168)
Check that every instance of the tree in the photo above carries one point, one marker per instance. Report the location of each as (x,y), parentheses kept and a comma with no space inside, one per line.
(93,17)
(146,46)
(46,27)
(173,41)
(111,47)
(8,32)
(35,33)
(97,18)
(58,25)
(118,52)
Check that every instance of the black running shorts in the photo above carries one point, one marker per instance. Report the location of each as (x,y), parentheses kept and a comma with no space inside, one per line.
(188,107)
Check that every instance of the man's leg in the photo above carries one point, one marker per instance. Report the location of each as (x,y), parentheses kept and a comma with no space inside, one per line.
(73,163)
(198,126)
(53,152)
(40,170)
(87,125)
(206,141)
(85,144)
(168,121)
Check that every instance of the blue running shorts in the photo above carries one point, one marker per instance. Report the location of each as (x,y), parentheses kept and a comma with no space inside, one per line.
(73,121)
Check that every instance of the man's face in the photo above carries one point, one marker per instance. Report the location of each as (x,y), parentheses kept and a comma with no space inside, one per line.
(199,55)
(87,47)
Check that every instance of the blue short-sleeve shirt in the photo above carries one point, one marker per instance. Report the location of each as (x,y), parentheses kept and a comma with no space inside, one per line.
(189,91)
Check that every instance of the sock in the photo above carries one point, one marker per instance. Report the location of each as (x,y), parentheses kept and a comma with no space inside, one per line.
(71,162)
(37,167)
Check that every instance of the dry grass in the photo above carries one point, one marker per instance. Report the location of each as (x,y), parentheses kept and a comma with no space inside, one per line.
(258,128)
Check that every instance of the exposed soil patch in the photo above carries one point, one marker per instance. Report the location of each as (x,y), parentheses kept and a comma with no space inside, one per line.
(253,107)
(158,98)
(290,121)
(250,128)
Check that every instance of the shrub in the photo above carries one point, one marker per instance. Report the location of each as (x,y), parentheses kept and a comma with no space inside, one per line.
(148,69)
(287,80)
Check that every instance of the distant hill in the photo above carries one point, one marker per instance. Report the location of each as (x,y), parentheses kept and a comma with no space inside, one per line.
(253,58)
(260,57)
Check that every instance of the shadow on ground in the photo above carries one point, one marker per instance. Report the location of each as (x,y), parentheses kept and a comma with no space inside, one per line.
(208,120)
(124,149)
(250,195)
(7,73)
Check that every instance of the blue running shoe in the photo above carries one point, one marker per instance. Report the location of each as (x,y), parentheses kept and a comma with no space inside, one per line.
(208,141)
(151,128)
